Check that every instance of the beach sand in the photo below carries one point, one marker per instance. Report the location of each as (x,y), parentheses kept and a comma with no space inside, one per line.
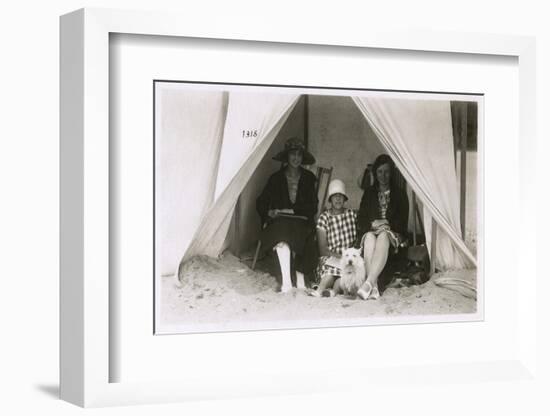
(225,294)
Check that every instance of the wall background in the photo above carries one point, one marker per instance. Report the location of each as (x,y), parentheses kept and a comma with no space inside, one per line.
(29,210)
(341,137)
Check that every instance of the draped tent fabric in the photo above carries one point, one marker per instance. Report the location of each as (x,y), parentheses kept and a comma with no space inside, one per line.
(261,113)
(250,117)
(417,134)
(189,128)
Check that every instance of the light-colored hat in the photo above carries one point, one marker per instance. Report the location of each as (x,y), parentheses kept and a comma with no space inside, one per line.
(336,186)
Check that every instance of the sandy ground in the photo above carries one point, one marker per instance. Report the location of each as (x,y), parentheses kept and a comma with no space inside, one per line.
(225,294)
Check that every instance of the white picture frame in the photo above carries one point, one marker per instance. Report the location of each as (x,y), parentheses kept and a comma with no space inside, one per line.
(85,164)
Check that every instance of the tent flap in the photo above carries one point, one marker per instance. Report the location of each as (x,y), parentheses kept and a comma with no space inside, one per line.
(189,129)
(417,134)
(263,114)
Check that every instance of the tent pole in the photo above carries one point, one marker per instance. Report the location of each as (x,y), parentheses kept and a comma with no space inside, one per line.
(419,218)
(433,245)
(306,121)
(237,231)
(414,217)
(463,154)
(455,121)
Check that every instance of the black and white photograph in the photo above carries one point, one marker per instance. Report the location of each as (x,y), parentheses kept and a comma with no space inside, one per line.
(279,207)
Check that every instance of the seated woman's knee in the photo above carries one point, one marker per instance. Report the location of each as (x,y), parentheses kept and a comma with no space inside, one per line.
(369,238)
(371,235)
(383,238)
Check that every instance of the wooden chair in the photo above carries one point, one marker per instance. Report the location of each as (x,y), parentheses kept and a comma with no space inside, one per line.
(321,171)
(320,185)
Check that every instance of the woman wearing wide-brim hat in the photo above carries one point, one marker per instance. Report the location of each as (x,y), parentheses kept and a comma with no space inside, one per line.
(287,206)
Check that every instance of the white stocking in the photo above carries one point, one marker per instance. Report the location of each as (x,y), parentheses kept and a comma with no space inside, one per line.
(283,253)
(300,282)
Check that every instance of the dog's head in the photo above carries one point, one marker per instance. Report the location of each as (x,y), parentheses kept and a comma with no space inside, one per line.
(351,257)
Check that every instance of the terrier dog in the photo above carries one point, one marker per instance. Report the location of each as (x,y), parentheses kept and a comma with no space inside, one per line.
(353,271)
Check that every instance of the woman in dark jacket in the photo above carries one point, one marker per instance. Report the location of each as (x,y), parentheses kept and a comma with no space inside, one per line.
(287,207)
(382,221)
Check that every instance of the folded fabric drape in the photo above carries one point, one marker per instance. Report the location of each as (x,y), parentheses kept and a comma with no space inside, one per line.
(253,122)
(417,134)
(189,126)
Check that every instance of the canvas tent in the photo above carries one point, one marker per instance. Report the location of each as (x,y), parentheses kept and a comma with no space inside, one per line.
(210,144)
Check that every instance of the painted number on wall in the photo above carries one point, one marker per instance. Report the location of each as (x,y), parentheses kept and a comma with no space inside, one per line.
(250,133)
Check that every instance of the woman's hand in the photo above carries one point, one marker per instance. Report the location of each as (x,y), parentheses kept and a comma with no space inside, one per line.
(379,223)
(272,213)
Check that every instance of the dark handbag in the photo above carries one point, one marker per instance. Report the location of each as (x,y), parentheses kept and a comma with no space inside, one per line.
(420,257)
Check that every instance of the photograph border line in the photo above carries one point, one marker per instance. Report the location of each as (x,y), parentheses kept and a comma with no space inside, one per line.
(476,316)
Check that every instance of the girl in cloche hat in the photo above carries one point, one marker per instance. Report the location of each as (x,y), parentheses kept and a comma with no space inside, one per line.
(336,231)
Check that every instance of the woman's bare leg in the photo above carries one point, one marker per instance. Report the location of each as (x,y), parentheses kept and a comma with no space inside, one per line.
(300,280)
(368,251)
(379,258)
(283,253)
(377,263)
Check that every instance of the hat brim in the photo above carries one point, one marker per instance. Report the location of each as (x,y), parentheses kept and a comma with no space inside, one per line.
(336,193)
(307,158)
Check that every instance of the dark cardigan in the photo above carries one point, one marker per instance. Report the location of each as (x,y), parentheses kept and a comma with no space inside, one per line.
(275,196)
(397,213)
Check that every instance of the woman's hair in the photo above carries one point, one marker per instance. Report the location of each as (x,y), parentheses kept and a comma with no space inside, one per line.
(382,160)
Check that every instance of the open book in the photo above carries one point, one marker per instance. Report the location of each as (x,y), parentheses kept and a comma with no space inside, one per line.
(301,217)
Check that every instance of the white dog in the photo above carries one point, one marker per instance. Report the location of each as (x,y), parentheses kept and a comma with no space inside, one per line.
(353,271)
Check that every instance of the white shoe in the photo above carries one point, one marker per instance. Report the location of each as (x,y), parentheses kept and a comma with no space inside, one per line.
(365,293)
(286,288)
(374,294)
(313,292)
